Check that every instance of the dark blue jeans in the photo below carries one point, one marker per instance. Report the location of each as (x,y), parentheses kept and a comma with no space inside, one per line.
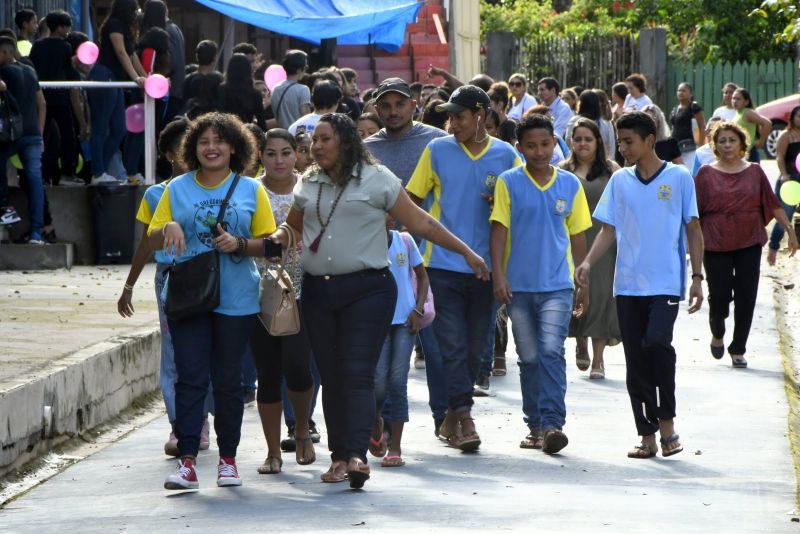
(348,317)
(29,149)
(777,230)
(488,354)
(646,325)
(463,315)
(209,344)
(434,373)
(108,119)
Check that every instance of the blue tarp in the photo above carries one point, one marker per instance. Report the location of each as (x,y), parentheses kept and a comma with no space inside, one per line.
(351,22)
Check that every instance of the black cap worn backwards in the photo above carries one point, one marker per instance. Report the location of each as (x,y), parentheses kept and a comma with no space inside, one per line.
(466,97)
(392,85)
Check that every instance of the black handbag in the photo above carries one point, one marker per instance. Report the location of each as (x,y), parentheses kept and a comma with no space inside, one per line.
(193,285)
(10,119)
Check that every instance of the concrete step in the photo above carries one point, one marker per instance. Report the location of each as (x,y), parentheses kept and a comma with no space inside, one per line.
(37,257)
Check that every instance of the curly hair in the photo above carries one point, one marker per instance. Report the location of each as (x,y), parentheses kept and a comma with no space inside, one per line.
(600,164)
(729,126)
(231,130)
(353,153)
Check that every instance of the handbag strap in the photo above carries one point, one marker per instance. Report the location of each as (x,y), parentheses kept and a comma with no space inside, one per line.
(411,274)
(280,100)
(289,254)
(226,201)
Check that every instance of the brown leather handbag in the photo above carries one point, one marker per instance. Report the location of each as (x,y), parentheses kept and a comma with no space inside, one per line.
(279,311)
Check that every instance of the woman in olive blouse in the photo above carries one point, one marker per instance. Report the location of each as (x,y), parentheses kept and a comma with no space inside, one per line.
(348,292)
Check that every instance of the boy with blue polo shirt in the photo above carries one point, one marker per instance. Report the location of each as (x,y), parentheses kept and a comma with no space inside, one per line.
(650,210)
(461,170)
(538,222)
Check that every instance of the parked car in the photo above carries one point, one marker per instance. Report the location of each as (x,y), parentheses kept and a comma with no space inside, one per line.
(778,112)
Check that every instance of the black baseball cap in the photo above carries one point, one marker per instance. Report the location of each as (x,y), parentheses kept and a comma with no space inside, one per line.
(392,85)
(466,97)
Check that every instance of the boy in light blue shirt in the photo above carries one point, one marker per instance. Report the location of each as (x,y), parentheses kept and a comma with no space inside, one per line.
(538,222)
(651,211)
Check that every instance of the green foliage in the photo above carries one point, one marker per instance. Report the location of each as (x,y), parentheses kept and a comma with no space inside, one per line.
(698,30)
(782,9)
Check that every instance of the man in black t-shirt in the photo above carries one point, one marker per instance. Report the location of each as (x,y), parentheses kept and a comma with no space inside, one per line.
(52,58)
(200,87)
(19,83)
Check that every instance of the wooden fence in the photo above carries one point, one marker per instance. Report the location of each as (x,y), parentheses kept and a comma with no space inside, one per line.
(588,61)
(765,81)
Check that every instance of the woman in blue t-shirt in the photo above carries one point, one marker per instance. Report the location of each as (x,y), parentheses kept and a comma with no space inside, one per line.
(218,147)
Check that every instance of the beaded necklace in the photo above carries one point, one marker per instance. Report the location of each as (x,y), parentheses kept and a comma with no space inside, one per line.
(324,225)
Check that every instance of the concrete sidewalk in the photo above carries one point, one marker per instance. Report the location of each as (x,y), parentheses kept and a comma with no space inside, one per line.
(736,473)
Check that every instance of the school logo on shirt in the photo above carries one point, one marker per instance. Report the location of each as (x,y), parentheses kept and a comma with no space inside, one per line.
(402,259)
(664,192)
(561,206)
(490,181)
(205,219)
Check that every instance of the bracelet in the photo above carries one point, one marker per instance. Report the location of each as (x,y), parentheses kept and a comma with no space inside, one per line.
(241,244)
(698,275)
(128,287)
(420,313)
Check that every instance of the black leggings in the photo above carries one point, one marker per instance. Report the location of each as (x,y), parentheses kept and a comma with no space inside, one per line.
(277,357)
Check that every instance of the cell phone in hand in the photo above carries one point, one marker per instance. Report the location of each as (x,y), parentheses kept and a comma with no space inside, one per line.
(272,249)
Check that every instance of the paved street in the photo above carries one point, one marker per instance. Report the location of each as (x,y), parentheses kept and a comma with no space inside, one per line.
(736,472)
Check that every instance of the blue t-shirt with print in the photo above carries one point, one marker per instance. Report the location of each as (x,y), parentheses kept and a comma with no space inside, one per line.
(650,219)
(195,207)
(404,256)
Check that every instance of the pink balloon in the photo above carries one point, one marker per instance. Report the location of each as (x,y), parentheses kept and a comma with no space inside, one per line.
(156,86)
(134,118)
(273,76)
(797,163)
(87,53)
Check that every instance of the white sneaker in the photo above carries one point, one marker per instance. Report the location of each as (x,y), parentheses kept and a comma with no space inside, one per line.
(71,181)
(227,474)
(104,178)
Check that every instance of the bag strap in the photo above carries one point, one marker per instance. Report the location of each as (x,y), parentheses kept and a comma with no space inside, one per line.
(289,255)
(280,100)
(226,201)
(411,272)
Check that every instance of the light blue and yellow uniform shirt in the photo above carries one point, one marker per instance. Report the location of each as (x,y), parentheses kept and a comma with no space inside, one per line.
(460,183)
(649,218)
(195,208)
(145,214)
(540,221)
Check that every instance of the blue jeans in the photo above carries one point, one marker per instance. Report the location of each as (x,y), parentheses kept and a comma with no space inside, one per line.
(209,344)
(249,372)
(463,313)
(29,149)
(488,354)
(108,119)
(348,317)
(169,374)
(391,373)
(434,373)
(777,230)
(540,324)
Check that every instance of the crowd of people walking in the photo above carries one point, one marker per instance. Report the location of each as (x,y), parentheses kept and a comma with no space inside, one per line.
(409,215)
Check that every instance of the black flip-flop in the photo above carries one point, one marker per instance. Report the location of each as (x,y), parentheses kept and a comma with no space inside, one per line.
(718,352)
(666,442)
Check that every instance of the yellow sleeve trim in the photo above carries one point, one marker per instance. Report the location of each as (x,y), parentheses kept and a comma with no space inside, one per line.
(263,222)
(163,213)
(144,214)
(424,178)
(579,219)
(501,212)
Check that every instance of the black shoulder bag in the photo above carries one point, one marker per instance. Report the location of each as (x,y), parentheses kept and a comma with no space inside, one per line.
(10,118)
(193,285)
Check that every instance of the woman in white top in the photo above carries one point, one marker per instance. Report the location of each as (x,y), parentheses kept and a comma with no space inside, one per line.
(726,111)
(521,101)
(636,99)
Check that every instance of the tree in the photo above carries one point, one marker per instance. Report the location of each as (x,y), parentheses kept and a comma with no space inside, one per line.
(784,9)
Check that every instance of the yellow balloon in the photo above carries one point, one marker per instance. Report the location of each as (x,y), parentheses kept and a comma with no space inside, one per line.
(16,162)
(24,46)
(790,193)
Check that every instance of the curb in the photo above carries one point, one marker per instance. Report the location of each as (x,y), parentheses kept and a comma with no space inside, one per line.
(76,393)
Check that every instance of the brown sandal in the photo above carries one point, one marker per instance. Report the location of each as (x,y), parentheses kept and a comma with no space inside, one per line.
(468,442)
(359,475)
(533,440)
(642,452)
(336,473)
(268,467)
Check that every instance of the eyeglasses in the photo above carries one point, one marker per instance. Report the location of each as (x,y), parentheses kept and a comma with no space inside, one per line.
(515,84)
